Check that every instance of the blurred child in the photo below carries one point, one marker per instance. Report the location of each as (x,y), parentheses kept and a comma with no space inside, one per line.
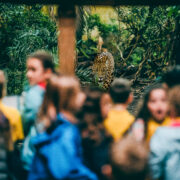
(58,148)
(129,160)
(119,120)
(165,144)
(95,140)
(11,132)
(39,68)
(172,77)
(11,114)
(5,145)
(152,114)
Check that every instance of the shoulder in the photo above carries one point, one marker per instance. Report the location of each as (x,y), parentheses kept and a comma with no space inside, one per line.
(160,138)
(35,90)
(34,96)
(130,116)
(64,132)
(10,112)
(162,132)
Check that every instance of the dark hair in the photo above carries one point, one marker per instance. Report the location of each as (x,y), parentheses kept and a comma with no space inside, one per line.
(172,76)
(45,58)
(144,112)
(91,106)
(129,159)
(90,115)
(120,90)
(174,100)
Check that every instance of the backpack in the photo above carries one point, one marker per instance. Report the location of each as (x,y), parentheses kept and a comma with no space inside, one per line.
(5,145)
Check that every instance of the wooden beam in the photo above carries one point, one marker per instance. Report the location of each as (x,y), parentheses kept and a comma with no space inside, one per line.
(96,2)
(67,39)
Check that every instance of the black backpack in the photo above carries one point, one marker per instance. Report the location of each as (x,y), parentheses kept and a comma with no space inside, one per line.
(5,143)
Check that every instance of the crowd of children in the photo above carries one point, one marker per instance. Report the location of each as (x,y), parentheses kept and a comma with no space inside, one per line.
(69,132)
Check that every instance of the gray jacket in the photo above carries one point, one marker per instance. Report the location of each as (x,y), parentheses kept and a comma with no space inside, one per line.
(165,153)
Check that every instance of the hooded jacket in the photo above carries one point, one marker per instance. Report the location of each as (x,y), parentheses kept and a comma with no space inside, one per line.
(59,154)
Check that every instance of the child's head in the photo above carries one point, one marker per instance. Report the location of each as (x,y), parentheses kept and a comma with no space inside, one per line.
(91,123)
(129,159)
(172,76)
(120,91)
(39,67)
(174,101)
(2,84)
(63,93)
(90,114)
(71,96)
(154,105)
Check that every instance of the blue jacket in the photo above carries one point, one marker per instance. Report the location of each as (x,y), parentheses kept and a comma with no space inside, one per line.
(165,153)
(59,154)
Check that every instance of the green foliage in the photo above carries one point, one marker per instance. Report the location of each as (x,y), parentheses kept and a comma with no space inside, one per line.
(84,74)
(23,30)
(144,36)
(105,29)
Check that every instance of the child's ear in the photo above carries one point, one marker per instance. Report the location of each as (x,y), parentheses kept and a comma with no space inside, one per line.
(130,98)
(48,73)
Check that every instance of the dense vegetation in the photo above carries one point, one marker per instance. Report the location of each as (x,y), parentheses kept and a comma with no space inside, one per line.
(23,30)
(142,40)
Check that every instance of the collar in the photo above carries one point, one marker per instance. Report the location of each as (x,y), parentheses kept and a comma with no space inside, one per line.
(175,122)
(42,85)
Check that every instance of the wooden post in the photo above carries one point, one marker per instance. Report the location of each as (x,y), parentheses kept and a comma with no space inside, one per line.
(67,39)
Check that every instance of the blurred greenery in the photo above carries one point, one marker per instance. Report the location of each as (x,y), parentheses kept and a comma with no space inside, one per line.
(143,38)
(23,30)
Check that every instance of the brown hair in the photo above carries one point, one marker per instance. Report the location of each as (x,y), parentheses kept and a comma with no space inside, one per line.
(120,90)
(174,100)
(2,84)
(45,58)
(129,159)
(91,120)
(61,93)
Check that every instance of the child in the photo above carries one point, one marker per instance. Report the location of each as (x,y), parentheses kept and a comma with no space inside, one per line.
(172,77)
(11,130)
(95,140)
(39,68)
(11,114)
(165,144)
(129,160)
(152,114)
(5,146)
(58,148)
(119,119)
